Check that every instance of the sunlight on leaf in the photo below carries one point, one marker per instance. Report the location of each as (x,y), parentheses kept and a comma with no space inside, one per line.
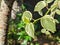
(27,16)
(48,23)
(30,30)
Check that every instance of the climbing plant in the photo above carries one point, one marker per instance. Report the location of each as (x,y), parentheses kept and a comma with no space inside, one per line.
(47,20)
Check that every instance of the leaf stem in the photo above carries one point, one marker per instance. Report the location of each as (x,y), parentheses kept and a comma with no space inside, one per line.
(45,14)
(36,20)
(48,11)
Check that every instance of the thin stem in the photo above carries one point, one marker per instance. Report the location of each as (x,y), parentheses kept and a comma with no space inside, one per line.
(48,11)
(40,18)
(45,14)
(36,20)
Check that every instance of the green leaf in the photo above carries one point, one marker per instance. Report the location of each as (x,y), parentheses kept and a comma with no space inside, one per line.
(23,7)
(58,11)
(24,42)
(28,38)
(54,5)
(47,33)
(31,44)
(43,30)
(48,23)
(27,16)
(41,13)
(59,4)
(30,30)
(48,1)
(52,14)
(39,6)
(20,25)
(37,44)
(26,20)
(56,21)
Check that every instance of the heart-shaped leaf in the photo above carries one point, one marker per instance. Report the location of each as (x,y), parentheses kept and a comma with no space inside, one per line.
(48,23)
(30,30)
(39,6)
(27,16)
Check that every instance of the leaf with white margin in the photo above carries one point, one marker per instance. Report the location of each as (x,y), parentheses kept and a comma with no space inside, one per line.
(48,23)
(27,16)
(48,1)
(30,30)
(39,6)
(58,11)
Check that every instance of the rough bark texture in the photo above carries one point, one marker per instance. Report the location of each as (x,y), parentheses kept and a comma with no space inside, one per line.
(4,13)
(16,8)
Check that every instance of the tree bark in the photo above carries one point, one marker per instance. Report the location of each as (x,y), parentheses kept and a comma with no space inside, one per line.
(16,8)
(6,6)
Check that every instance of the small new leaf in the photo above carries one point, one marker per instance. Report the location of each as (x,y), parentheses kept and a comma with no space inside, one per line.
(47,33)
(58,11)
(43,30)
(41,13)
(57,21)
